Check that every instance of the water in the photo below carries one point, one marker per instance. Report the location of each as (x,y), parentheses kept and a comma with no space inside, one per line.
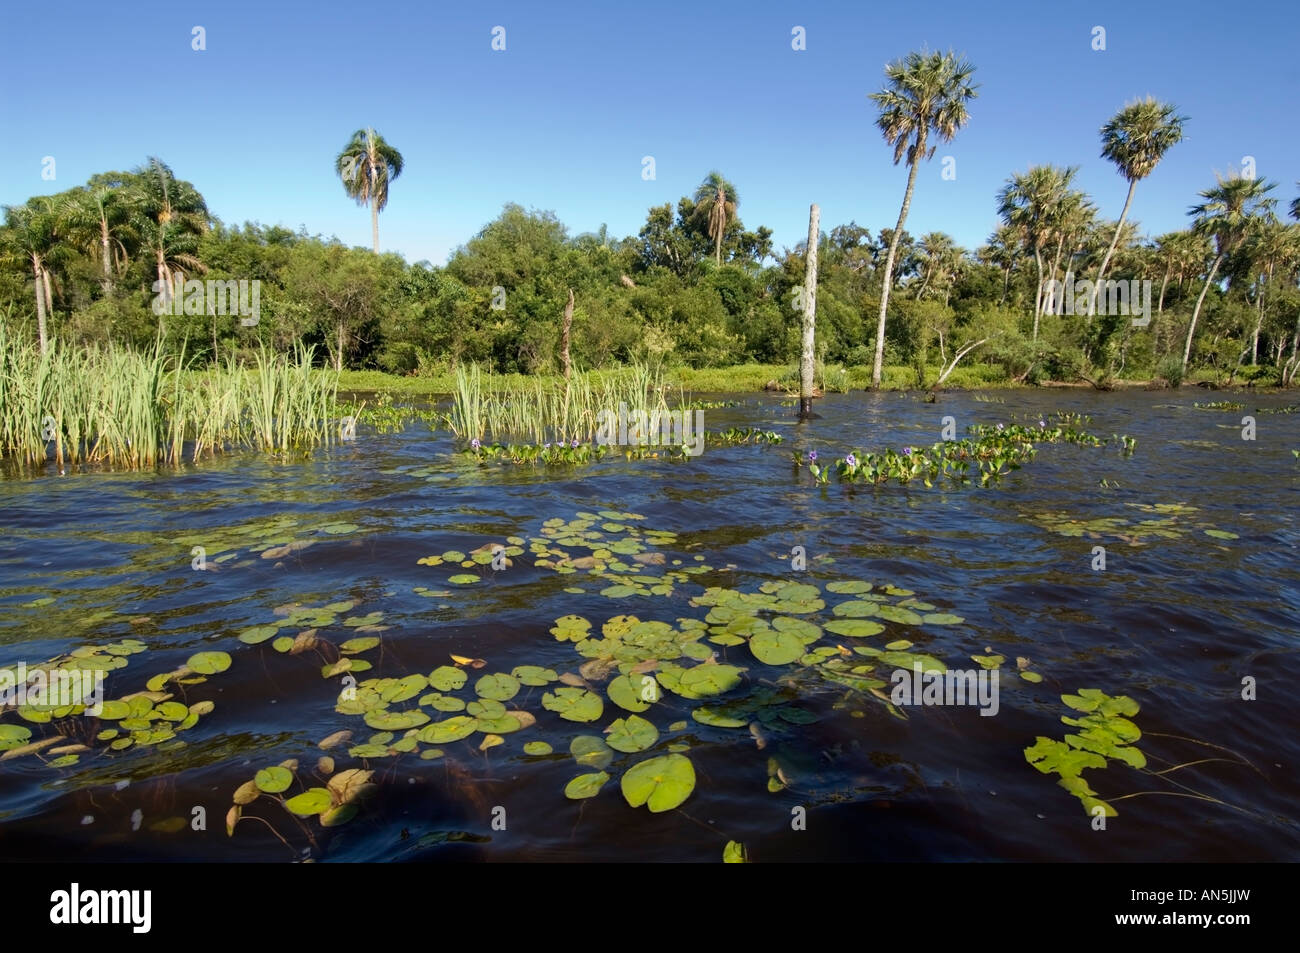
(1176,624)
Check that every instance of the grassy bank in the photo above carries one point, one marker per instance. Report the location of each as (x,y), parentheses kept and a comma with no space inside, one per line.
(739,379)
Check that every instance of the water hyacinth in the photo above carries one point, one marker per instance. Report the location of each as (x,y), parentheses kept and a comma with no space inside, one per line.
(994,452)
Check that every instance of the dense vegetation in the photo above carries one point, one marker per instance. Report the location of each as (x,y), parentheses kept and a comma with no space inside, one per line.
(695,287)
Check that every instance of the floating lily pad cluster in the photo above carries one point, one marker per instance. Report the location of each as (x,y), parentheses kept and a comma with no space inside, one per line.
(333,801)
(1165,521)
(1220,405)
(1105,734)
(276,538)
(141,719)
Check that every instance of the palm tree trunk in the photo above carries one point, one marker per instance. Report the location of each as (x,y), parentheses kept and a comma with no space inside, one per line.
(1119,227)
(374,221)
(1259,322)
(338,350)
(1160,308)
(809,315)
(49,297)
(878,367)
(40,303)
(1191,328)
(1038,295)
(107,258)
(1006,281)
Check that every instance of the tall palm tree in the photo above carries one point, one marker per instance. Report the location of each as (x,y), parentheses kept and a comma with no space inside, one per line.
(170,215)
(935,249)
(1230,213)
(1272,246)
(1136,139)
(1002,250)
(1028,203)
(98,218)
(716,200)
(367,165)
(925,94)
(31,237)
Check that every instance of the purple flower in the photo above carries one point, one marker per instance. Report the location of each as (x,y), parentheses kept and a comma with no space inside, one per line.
(475,444)
(575,443)
(812,456)
(546,446)
(907,451)
(1042,423)
(851,460)
(999,428)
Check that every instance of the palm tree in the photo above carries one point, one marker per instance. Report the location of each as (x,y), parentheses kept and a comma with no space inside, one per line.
(1028,203)
(31,236)
(169,217)
(99,215)
(1229,214)
(1272,246)
(716,200)
(1002,250)
(1135,139)
(935,249)
(367,165)
(924,94)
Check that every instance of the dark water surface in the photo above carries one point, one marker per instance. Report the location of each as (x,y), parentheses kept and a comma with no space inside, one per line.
(1175,623)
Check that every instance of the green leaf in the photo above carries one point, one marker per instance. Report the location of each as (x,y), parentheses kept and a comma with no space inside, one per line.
(257,634)
(854,628)
(941,618)
(574,704)
(900,615)
(631,734)
(735,853)
(309,802)
(499,687)
(661,783)
(702,680)
(209,663)
(625,692)
(709,716)
(447,678)
(848,587)
(591,751)
(537,748)
(453,729)
(534,674)
(776,648)
(359,644)
(585,785)
(273,780)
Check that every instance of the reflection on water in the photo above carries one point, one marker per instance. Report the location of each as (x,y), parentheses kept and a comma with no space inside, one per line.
(1199,591)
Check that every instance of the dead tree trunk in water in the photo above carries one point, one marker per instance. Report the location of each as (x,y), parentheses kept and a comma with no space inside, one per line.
(809,316)
(568,322)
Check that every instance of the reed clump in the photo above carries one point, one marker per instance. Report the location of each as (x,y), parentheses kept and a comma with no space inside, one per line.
(491,407)
(124,408)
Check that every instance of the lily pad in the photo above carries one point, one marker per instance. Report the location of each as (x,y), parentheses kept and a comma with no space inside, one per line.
(209,663)
(574,704)
(585,785)
(273,780)
(499,687)
(854,628)
(631,734)
(661,783)
(447,678)
(309,802)
(776,648)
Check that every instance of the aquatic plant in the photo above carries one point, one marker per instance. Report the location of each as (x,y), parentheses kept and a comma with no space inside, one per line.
(118,407)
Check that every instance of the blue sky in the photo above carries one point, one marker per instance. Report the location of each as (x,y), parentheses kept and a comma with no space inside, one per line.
(562,118)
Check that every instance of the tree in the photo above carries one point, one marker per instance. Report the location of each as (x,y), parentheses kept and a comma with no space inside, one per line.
(1229,214)
(809,315)
(169,217)
(716,200)
(1029,203)
(99,216)
(925,94)
(31,236)
(1135,139)
(366,166)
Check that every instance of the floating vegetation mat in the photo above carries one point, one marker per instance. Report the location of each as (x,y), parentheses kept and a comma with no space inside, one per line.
(995,451)
(1164,521)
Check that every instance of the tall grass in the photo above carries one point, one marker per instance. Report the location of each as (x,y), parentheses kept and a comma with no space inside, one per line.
(134,409)
(540,410)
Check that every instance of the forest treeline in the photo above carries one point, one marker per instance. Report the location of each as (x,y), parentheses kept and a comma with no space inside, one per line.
(694,286)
